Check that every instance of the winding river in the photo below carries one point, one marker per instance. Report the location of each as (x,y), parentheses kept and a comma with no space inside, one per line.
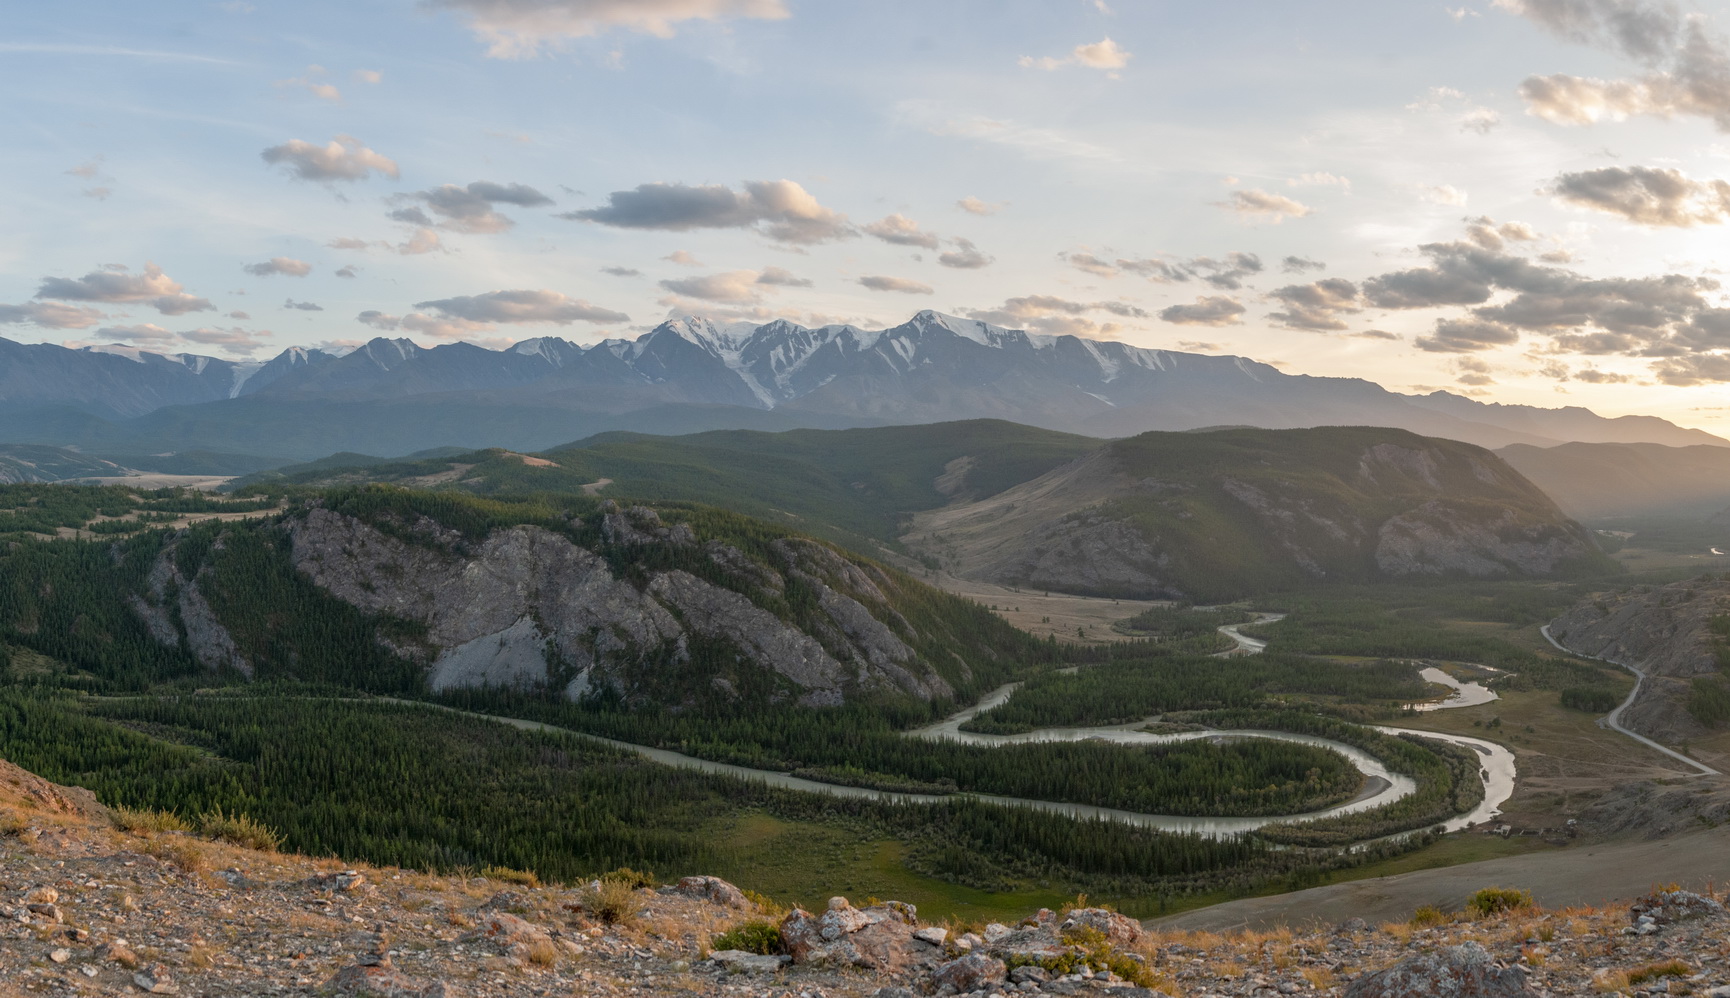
(1381,786)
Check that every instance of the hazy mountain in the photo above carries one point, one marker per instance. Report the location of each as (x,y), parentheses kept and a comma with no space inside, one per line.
(1229,513)
(691,375)
(1593,481)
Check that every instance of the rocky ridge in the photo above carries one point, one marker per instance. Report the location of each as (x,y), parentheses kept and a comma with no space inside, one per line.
(528,606)
(97,903)
(1663,631)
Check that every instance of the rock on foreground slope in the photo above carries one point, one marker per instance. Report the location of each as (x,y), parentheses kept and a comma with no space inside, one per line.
(89,906)
(1225,513)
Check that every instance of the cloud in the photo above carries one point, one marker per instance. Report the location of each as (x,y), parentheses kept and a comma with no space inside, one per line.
(469,209)
(87,170)
(1104,54)
(965,256)
(683,259)
(1473,372)
(1484,232)
(1316,306)
(518,29)
(902,231)
(779,209)
(420,241)
(1320,180)
(116,286)
(1300,264)
(1646,195)
(1055,316)
(1089,263)
(233,339)
(345,158)
(739,287)
(1699,369)
(348,271)
(368,76)
(315,82)
(1227,274)
(782,278)
(285,265)
(97,193)
(522,306)
(1215,310)
(1481,120)
(1442,194)
(621,272)
(378,320)
(237,314)
(142,333)
(901,284)
(1688,64)
(1466,335)
(1259,205)
(974,206)
(51,315)
(348,243)
(303,306)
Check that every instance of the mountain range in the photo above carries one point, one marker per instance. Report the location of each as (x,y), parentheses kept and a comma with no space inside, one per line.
(392,396)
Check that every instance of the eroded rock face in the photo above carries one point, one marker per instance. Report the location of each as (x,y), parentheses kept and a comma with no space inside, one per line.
(1465,971)
(1440,539)
(169,594)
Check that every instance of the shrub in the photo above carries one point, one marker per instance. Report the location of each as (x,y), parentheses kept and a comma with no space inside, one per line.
(752,937)
(239,829)
(613,901)
(635,878)
(1592,700)
(1497,900)
(1427,916)
(526,878)
(1089,946)
(142,820)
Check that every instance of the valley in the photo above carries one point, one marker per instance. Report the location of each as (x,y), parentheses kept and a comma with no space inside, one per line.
(797,638)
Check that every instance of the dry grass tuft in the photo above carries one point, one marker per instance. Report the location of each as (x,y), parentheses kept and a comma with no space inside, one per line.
(240,830)
(142,821)
(525,878)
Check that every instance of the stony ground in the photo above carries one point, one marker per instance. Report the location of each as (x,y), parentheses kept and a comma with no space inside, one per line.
(87,908)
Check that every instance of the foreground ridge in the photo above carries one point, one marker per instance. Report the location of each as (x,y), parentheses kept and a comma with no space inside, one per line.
(123,902)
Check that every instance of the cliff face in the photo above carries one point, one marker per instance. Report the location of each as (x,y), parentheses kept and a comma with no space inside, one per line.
(1663,631)
(1227,513)
(526,606)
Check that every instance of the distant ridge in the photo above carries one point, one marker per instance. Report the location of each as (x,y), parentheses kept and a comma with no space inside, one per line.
(691,375)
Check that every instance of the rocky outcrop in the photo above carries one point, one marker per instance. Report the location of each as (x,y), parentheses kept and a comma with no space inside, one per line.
(175,611)
(1664,632)
(878,938)
(1465,971)
(528,607)
(1439,539)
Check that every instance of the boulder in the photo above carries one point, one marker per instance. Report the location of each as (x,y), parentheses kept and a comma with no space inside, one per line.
(155,980)
(933,934)
(381,980)
(1119,930)
(1465,971)
(513,936)
(1669,907)
(877,938)
(712,889)
(342,880)
(742,962)
(973,972)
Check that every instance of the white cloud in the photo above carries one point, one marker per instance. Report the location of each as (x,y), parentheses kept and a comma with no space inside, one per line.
(1104,54)
(1259,205)
(114,284)
(738,287)
(974,206)
(344,158)
(284,265)
(51,315)
(902,231)
(1442,194)
(315,82)
(779,209)
(516,29)
(902,284)
(965,256)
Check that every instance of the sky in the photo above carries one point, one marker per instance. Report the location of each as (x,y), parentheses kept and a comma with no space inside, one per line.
(1520,200)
